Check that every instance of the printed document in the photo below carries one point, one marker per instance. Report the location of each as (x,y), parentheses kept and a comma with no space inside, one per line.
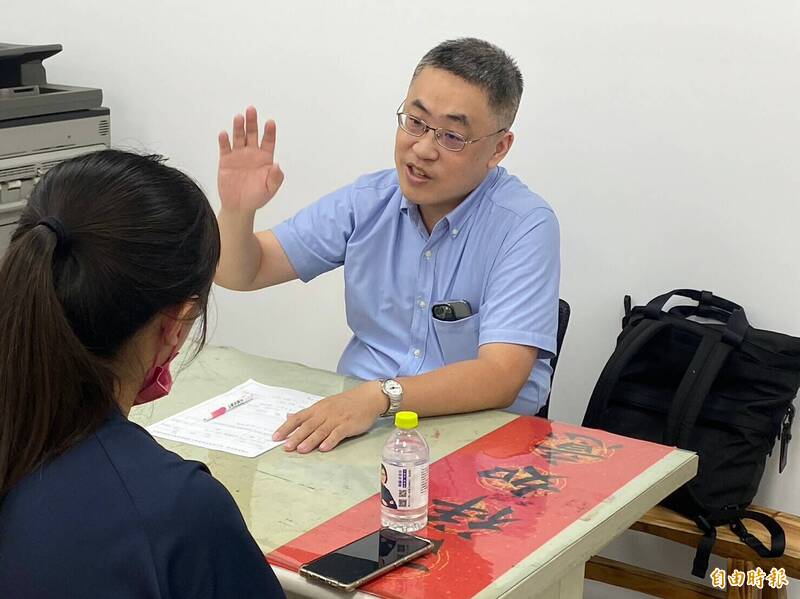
(245,430)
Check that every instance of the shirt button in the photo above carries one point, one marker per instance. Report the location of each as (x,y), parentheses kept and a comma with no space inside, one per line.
(428,255)
(417,353)
(422,304)
(454,232)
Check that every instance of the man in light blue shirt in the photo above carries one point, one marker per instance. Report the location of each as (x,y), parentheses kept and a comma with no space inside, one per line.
(447,229)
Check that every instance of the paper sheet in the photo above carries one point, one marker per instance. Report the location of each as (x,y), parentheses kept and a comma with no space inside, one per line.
(245,430)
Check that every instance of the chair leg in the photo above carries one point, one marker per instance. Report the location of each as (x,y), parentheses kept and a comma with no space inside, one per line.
(735,566)
(770,593)
(750,591)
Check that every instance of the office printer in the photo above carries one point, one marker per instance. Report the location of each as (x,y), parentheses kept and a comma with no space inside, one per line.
(41,124)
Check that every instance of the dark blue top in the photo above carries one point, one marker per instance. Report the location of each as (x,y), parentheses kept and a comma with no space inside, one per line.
(119,516)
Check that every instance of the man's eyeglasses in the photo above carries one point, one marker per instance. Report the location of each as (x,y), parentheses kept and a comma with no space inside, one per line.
(449,140)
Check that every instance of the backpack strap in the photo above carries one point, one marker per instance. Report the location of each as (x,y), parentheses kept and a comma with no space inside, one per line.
(701,557)
(705,299)
(693,390)
(776,533)
(704,547)
(785,435)
(644,330)
(708,360)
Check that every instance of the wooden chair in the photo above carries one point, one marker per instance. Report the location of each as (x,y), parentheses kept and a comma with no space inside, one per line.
(667,524)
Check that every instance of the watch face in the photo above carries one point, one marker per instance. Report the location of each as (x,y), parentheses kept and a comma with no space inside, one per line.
(393,387)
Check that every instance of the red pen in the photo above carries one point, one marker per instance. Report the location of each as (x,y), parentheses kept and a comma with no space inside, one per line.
(234,404)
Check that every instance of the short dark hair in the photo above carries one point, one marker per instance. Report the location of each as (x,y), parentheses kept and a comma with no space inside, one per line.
(482,64)
(135,237)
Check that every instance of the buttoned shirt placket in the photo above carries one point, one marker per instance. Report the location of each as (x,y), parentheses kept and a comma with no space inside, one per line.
(426,267)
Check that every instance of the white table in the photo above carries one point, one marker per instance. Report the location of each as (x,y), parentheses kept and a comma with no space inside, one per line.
(283,495)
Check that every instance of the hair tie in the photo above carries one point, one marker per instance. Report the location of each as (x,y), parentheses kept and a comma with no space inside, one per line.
(63,239)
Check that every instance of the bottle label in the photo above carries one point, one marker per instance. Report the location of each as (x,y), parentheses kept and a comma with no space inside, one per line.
(404,488)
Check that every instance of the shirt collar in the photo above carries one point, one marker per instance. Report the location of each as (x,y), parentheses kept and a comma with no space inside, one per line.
(412,211)
(459,215)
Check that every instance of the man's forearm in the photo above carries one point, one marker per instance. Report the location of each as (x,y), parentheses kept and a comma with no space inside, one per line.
(240,257)
(468,386)
(491,381)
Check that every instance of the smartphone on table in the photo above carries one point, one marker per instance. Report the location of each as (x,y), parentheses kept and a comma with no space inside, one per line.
(350,566)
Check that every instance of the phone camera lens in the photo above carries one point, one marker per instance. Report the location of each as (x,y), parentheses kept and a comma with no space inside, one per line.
(442,312)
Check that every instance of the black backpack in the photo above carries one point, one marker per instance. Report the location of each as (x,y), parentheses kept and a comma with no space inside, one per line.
(721,389)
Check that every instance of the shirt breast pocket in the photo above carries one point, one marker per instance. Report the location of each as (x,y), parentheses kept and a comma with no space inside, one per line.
(458,338)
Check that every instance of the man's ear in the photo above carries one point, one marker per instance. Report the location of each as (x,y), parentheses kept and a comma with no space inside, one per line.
(501,149)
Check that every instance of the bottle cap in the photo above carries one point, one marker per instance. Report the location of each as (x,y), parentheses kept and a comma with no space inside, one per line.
(406,420)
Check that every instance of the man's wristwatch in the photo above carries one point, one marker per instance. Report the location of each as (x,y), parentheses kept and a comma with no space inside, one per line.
(394,391)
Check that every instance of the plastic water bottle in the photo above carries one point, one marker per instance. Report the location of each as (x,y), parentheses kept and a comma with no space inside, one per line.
(404,476)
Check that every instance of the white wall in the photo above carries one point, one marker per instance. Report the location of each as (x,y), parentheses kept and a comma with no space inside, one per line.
(665,135)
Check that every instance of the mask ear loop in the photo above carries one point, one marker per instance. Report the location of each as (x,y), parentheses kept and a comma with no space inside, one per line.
(158,380)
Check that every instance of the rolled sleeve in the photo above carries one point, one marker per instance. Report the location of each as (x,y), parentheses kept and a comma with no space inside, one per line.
(520,304)
(315,239)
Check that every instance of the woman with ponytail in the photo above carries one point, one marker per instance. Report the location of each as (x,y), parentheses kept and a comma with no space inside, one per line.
(109,268)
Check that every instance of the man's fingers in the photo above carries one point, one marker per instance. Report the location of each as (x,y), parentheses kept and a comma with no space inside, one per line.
(224,143)
(291,423)
(251,127)
(336,437)
(268,141)
(314,439)
(238,131)
(301,433)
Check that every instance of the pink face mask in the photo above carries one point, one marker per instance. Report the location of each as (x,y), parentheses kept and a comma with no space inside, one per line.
(157,383)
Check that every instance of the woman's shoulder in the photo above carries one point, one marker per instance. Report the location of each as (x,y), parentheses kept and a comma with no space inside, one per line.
(82,502)
(156,479)
(187,515)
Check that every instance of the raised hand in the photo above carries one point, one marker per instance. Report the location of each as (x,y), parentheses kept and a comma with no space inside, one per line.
(248,176)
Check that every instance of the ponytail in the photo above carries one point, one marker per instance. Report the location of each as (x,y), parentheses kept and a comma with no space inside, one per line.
(107,241)
(54,391)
